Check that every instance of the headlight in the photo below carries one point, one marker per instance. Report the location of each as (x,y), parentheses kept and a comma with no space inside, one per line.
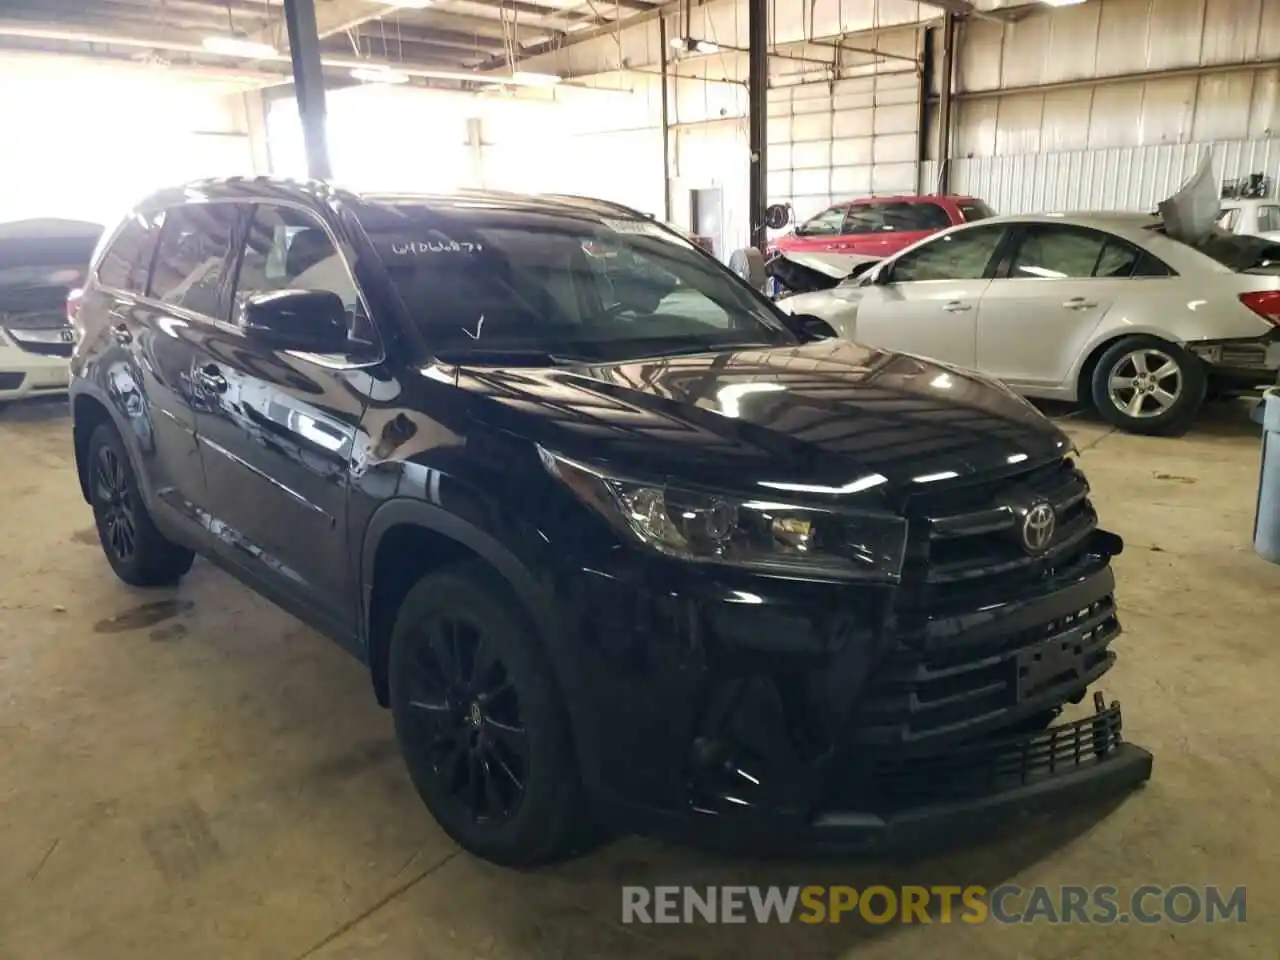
(762,535)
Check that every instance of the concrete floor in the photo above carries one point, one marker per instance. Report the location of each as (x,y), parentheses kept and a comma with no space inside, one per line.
(195,774)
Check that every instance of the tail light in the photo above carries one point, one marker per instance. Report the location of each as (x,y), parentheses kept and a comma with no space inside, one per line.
(1265,303)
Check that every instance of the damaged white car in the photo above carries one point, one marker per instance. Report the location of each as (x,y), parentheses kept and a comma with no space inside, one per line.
(1142,315)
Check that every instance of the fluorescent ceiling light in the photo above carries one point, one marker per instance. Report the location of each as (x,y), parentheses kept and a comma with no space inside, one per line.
(379,75)
(238,47)
(1061,3)
(535,79)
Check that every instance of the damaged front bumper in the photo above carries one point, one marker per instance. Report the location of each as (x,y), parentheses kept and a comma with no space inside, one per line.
(863,718)
(1063,769)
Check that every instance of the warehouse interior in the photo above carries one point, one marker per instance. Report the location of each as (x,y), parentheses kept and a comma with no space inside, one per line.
(192,771)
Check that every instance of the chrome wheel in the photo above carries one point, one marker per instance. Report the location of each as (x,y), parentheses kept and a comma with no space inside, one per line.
(1145,383)
(114,496)
(466,720)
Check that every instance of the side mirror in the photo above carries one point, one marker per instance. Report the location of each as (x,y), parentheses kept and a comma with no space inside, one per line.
(777,215)
(809,328)
(309,321)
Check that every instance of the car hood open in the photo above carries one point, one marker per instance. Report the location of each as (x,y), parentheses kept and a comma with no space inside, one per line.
(824,418)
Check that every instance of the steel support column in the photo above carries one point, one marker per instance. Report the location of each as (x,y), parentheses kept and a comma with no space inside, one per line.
(757,114)
(946,73)
(308,83)
(666,123)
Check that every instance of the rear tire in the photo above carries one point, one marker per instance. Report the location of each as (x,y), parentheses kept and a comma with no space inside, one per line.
(137,551)
(1143,384)
(481,722)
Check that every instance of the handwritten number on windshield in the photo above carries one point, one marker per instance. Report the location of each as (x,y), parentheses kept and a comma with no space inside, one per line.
(434,246)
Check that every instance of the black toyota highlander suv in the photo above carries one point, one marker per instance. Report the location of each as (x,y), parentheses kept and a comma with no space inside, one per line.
(621,545)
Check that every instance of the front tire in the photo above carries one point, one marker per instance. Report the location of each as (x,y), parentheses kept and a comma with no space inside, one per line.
(1143,384)
(480,721)
(137,551)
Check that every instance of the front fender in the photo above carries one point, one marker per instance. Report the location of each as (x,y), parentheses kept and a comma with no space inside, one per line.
(840,313)
(525,571)
(407,510)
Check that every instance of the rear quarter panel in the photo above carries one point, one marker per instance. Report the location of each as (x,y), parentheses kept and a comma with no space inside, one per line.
(1184,309)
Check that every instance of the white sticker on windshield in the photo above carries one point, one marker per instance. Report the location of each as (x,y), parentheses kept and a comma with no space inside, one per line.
(644,228)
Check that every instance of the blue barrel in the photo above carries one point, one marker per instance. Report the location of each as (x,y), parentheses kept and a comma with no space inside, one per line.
(1266,528)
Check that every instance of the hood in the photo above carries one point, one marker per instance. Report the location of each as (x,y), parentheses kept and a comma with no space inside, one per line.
(800,272)
(837,266)
(830,417)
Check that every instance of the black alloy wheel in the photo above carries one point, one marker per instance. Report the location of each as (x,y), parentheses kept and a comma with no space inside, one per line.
(481,721)
(466,719)
(113,492)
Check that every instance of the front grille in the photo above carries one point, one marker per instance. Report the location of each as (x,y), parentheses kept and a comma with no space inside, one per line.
(49,340)
(982,767)
(973,533)
(44,349)
(986,632)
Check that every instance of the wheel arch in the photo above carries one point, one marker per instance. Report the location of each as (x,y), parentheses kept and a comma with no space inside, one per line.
(405,540)
(87,413)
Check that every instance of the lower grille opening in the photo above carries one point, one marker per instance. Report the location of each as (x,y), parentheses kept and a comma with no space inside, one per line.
(981,767)
(11,381)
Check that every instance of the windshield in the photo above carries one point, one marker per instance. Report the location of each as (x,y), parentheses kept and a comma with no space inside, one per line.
(484,281)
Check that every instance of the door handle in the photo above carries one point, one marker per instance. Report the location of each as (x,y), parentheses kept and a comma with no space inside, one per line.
(1079,303)
(210,378)
(957,306)
(121,334)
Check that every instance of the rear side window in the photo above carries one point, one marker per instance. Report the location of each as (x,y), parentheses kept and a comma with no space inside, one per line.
(191,262)
(896,217)
(1268,219)
(126,263)
(1228,219)
(972,210)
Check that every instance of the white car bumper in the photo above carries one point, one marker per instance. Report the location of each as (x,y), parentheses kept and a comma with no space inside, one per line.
(25,374)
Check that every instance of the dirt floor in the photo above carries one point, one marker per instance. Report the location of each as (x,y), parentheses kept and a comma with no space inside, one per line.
(194,774)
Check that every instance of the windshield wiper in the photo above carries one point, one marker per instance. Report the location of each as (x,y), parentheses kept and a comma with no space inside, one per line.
(513,355)
(691,348)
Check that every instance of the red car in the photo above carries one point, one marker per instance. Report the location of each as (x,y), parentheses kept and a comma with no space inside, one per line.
(880,226)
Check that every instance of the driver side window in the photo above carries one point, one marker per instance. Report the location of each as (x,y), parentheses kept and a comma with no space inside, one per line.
(287,249)
(962,255)
(829,222)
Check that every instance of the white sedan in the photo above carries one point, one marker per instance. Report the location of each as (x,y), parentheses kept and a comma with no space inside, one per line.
(1098,307)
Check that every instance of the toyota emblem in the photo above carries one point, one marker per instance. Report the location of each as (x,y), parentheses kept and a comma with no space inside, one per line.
(1038,527)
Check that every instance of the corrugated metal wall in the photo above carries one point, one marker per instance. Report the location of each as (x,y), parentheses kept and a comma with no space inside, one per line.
(1100,139)
(1122,178)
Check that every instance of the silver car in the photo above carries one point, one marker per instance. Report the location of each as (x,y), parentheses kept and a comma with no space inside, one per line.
(1097,307)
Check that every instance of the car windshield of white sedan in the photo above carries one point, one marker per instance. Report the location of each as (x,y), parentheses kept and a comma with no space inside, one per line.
(494,282)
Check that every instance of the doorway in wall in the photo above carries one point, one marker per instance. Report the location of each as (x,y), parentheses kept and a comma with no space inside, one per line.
(706,214)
